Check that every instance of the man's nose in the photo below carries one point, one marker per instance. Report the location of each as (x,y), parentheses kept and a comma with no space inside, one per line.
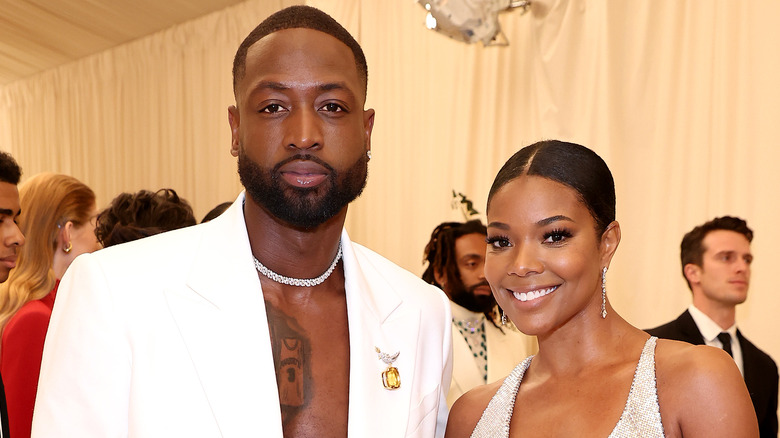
(303,129)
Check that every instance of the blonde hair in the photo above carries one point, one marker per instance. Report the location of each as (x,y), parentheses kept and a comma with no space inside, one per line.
(48,201)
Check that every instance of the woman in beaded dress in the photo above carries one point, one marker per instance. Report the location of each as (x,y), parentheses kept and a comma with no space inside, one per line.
(551,237)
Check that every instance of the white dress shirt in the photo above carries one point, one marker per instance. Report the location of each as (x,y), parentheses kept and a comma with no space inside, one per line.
(710,330)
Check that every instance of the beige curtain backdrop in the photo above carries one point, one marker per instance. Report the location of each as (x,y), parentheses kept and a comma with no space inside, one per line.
(679,97)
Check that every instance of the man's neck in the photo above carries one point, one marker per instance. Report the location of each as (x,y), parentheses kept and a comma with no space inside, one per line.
(723,315)
(290,251)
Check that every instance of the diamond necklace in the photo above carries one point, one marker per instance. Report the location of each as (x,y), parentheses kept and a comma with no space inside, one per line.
(300,282)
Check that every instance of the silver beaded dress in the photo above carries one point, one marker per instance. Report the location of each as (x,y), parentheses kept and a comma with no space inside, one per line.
(641,416)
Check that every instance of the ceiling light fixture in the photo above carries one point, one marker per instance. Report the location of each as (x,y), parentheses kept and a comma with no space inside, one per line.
(470,21)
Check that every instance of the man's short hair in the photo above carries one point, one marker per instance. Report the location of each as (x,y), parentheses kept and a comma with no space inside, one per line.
(10,172)
(133,216)
(691,248)
(296,17)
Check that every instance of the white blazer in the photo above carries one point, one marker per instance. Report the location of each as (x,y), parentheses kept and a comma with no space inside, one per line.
(506,347)
(168,337)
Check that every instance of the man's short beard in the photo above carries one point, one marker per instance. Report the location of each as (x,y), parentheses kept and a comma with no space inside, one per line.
(302,207)
(466,298)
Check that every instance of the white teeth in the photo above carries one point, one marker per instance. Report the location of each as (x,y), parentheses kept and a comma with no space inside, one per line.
(523,296)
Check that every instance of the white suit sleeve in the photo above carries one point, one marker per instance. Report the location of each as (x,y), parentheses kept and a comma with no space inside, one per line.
(83,389)
(446,378)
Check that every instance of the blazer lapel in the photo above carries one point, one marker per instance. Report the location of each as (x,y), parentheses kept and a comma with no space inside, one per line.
(377,319)
(689,330)
(222,320)
(752,379)
(466,375)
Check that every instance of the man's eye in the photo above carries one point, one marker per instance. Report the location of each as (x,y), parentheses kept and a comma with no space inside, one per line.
(272,108)
(332,107)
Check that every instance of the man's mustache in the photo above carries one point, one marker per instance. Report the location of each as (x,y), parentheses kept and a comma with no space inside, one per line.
(302,157)
(473,287)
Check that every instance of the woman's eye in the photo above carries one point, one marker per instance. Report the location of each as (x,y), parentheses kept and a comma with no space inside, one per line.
(556,236)
(498,242)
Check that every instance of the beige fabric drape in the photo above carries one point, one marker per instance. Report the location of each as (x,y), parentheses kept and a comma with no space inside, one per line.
(148,114)
(679,97)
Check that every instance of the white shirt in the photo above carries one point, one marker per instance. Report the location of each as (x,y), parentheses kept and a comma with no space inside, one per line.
(710,330)
(471,326)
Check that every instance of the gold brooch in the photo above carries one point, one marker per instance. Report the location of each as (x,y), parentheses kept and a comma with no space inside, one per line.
(391,379)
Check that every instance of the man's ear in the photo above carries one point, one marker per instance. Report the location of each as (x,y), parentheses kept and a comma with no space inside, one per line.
(368,126)
(439,277)
(692,273)
(234,119)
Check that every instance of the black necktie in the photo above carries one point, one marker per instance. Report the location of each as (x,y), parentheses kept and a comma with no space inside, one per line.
(725,339)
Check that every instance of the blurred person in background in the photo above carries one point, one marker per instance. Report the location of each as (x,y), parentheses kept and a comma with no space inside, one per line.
(716,260)
(11,239)
(58,220)
(132,216)
(483,349)
(216,211)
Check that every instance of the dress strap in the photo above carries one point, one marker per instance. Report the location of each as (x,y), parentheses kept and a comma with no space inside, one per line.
(642,416)
(494,422)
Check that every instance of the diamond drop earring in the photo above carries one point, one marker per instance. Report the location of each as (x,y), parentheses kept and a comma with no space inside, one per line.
(604,293)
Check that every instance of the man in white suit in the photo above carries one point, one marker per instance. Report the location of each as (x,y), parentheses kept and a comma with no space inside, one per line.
(267,321)
(482,350)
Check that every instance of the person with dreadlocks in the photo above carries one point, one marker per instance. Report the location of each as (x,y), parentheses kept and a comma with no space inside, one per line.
(483,348)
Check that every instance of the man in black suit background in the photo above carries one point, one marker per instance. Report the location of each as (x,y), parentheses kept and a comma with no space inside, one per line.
(716,262)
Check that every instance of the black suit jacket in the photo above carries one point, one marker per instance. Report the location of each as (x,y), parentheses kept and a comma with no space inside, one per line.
(760,370)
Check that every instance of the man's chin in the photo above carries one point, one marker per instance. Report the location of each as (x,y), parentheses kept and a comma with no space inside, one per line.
(477,303)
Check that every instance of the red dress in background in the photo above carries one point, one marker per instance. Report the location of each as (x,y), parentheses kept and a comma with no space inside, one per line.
(20,359)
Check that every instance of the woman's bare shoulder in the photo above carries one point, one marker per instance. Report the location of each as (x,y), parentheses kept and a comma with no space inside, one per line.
(701,392)
(693,363)
(468,409)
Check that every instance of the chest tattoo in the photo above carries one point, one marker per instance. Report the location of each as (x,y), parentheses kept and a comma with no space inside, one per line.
(291,350)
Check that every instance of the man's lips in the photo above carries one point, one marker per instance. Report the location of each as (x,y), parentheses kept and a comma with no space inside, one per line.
(303,173)
(534,294)
(482,290)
